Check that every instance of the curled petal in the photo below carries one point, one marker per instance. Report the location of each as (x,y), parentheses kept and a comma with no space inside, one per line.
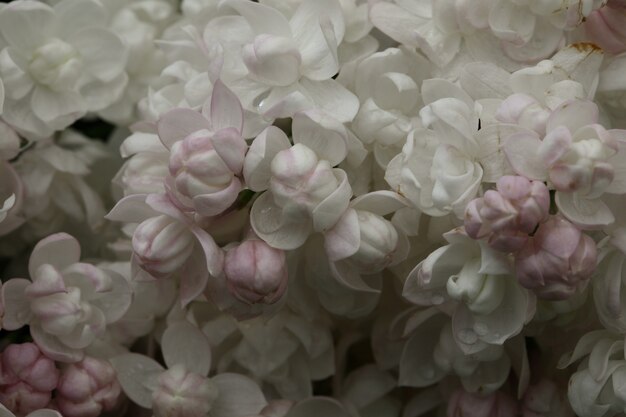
(322,133)
(256,166)
(177,124)
(183,343)
(59,250)
(226,111)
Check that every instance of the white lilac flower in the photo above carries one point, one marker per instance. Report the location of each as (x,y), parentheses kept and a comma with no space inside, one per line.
(55,172)
(579,158)
(59,63)
(66,303)
(441,170)
(279,66)
(388,85)
(475,284)
(184,388)
(139,23)
(206,153)
(507,33)
(596,388)
(305,194)
(285,352)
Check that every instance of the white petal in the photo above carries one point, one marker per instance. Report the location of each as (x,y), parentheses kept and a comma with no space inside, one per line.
(226,110)
(328,212)
(239,396)
(436,88)
(58,109)
(212,252)
(395,22)
(332,97)
(136,373)
(59,250)
(268,222)
(75,15)
(349,277)
(256,166)
(490,154)
(103,53)
(581,62)
(178,123)
(194,277)
(53,348)
(26,24)
(521,152)
(382,202)
(262,19)
(485,80)
(131,209)
(322,133)
(417,368)
(511,23)
(16,306)
(573,115)
(587,214)
(344,238)
(141,142)
(185,344)
(318,27)
(115,303)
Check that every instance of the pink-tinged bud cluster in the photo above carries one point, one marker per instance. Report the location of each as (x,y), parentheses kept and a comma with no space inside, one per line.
(556,260)
(87,388)
(205,178)
(300,181)
(607,27)
(162,245)
(256,272)
(465,404)
(27,378)
(180,393)
(507,215)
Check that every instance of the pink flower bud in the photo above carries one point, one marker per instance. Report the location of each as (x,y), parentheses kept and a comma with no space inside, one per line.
(507,215)
(27,378)
(162,245)
(87,388)
(465,404)
(180,393)
(256,272)
(202,179)
(557,260)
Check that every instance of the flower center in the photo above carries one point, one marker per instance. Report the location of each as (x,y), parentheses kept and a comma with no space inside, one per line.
(57,65)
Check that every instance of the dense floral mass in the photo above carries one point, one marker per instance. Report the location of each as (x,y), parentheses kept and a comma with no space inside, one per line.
(313,208)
